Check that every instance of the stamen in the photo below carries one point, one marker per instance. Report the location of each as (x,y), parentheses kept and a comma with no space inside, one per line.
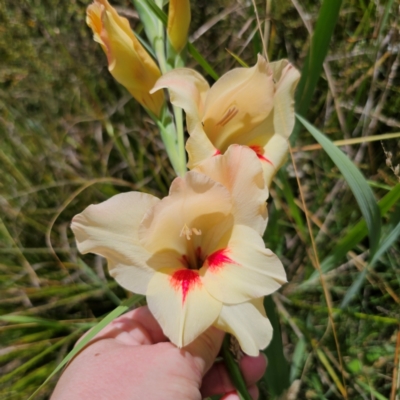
(196,231)
(228,116)
(188,232)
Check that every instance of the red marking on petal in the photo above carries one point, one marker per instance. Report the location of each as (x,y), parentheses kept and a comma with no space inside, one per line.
(184,260)
(259,151)
(217,153)
(199,256)
(185,280)
(217,259)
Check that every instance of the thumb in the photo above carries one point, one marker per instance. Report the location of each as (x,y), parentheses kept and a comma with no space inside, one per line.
(205,349)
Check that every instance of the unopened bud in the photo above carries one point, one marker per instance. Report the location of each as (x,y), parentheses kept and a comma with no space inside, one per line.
(178,23)
(128,61)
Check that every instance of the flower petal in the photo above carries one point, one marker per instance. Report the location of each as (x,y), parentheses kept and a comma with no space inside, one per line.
(240,100)
(244,270)
(110,230)
(199,147)
(270,147)
(194,204)
(178,300)
(187,90)
(93,20)
(287,77)
(248,323)
(276,149)
(240,171)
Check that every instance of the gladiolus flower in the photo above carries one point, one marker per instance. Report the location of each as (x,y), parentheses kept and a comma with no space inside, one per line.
(178,23)
(128,62)
(248,106)
(197,254)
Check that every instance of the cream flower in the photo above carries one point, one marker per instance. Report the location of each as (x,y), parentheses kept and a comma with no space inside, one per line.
(197,254)
(247,106)
(128,62)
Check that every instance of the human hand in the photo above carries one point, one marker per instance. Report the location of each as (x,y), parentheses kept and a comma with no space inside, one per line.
(132,359)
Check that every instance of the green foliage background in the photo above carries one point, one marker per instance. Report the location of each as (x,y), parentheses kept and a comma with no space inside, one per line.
(71,136)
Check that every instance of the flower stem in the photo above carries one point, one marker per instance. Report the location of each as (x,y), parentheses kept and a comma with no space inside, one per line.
(174,140)
(234,370)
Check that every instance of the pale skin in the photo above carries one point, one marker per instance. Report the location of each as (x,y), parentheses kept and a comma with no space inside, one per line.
(132,359)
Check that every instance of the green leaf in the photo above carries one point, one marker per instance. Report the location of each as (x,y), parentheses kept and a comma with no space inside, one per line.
(202,61)
(358,185)
(313,64)
(278,372)
(234,370)
(299,356)
(104,322)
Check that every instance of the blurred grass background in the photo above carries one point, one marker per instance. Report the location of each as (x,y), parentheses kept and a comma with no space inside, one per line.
(71,136)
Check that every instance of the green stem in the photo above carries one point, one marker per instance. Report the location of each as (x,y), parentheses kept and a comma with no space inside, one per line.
(159,46)
(174,140)
(234,370)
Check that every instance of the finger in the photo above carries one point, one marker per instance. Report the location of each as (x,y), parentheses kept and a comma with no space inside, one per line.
(205,349)
(253,392)
(136,327)
(217,380)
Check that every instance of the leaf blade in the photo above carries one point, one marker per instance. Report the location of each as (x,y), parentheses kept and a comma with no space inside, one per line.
(357,183)
(313,64)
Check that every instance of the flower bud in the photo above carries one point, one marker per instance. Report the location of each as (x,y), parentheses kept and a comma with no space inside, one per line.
(128,62)
(178,23)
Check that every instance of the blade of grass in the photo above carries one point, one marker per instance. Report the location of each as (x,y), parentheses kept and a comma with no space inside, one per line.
(371,390)
(289,198)
(32,361)
(105,321)
(356,181)
(298,359)
(384,246)
(317,266)
(238,59)
(202,61)
(331,371)
(385,17)
(25,319)
(95,278)
(311,71)
(357,233)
